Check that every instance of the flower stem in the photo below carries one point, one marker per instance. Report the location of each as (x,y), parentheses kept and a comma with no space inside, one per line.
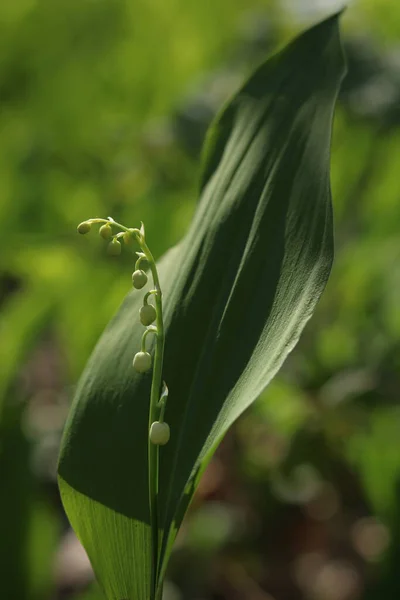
(153,450)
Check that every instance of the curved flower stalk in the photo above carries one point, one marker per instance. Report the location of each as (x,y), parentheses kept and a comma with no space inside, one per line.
(159,431)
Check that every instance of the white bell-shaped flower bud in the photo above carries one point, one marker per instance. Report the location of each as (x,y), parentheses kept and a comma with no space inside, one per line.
(84,227)
(147,314)
(159,433)
(139,279)
(142,362)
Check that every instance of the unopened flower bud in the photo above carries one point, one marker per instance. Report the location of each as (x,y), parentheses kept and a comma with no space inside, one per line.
(105,231)
(159,433)
(128,238)
(147,314)
(114,248)
(139,279)
(142,362)
(84,227)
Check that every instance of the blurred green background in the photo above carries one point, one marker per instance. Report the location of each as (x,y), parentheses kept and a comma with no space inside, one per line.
(103,109)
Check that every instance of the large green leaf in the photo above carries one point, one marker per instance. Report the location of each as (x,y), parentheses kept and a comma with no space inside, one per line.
(238,291)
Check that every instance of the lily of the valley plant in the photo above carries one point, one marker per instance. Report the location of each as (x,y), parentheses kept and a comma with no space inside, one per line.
(202,333)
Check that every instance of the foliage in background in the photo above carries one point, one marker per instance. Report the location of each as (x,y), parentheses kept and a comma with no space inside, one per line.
(85,97)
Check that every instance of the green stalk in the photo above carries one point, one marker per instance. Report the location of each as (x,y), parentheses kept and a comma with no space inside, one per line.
(153,449)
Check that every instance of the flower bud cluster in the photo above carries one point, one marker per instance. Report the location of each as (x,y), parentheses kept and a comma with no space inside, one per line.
(142,361)
(114,247)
